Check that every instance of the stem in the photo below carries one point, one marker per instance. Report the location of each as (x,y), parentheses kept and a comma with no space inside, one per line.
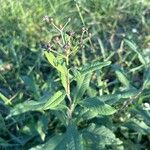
(61,32)
(81,17)
(70,108)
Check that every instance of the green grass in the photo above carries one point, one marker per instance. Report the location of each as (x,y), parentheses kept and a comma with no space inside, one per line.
(120,33)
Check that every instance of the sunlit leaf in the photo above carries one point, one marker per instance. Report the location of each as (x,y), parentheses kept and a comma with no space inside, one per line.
(55,100)
(94,66)
(95,105)
(4,99)
(82,85)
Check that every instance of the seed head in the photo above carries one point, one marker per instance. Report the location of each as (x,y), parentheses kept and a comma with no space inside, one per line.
(90,34)
(57,39)
(84,29)
(71,33)
(66,46)
(49,46)
(48,19)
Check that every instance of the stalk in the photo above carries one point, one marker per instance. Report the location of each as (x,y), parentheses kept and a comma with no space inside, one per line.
(70,108)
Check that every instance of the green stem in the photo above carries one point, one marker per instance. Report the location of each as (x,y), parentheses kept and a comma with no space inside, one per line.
(70,108)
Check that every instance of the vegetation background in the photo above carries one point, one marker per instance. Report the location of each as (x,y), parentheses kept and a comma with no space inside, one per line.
(120,32)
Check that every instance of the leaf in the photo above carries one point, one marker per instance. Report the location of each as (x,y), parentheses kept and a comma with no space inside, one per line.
(51,58)
(55,100)
(144,113)
(134,48)
(70,140)
(3,127)
(61,115)
(82,85)
(31,105)
(25,107)
(5,99)
(97,106)
(113,98)
(99,137)
(51,143)
(64,76)
(29,81)
(40,130)
(74,50)
(86,114)
(122,78)
(94,66)
(138,126)
(61,68)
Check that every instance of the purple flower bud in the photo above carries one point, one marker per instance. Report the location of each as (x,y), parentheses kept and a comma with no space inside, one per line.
(49,46)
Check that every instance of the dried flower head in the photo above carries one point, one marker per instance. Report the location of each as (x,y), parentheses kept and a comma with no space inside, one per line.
(84,29)
(66,46)
(49,46)
(48,19)
(71,33)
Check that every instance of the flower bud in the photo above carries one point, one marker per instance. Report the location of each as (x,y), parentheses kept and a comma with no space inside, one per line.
(49,46)
(48,19)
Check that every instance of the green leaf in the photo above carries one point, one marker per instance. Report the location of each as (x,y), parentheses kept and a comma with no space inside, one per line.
(31,105)
(94,66)
(86,114)
(63,76)
(122,78)
(3,127)
(51,143)
(71,140)
(30,83)
(5,99)
(55,100)
(61,68)
(135,49)
(99,137)
(97,106)
(113,98)
(74,50)
(82,85)
(51,58)
(25,107)
(138,126)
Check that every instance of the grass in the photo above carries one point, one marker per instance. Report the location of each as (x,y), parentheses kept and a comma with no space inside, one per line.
(119,33)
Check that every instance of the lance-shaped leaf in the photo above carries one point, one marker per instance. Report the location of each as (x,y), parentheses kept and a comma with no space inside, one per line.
(82,85)
(25,107)
(60,68)
(55,100)
(94,66)
(122,78)
(31,105)
(63,76)
(135,49)
(113,98)
(97,106)
(51,58)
